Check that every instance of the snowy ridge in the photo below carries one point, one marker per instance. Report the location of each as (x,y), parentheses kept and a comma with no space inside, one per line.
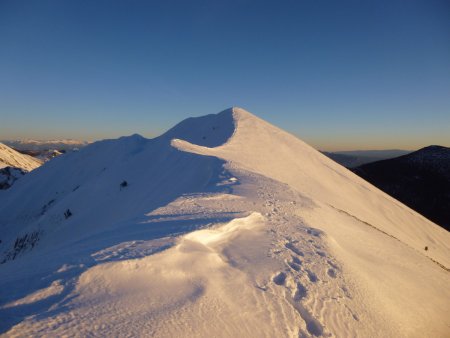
(300,166)
(223,226)
(11,158)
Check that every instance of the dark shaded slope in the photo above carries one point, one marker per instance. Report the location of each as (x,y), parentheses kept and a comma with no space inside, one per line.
(421,180)
(9,175)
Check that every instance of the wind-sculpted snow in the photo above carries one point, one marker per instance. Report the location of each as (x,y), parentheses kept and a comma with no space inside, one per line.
(208,131)
(224,226)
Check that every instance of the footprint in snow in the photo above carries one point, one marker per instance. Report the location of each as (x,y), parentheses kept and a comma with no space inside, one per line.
(294,266)
(321,253)
(333,265)
(296,260)
(312,276)
(294,249)
(313,326)
(279,278)
(331,273)
(300,292)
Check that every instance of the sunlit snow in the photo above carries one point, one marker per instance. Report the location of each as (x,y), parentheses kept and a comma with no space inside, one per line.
(225,226)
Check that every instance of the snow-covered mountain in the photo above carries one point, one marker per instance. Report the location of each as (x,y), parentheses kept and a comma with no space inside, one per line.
(13,165)
(43,145)
(48,155)
(223,226)
(11,158)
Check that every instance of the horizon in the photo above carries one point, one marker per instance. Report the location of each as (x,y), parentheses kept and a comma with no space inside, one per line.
(137,197)
(93,140)
(102,139)
(48,140)
(345,76)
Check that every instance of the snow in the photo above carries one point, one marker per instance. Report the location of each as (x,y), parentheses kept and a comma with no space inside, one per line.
(9,175)
(48,155)
(40,145)
(228,226)
(54,289)
(11,158)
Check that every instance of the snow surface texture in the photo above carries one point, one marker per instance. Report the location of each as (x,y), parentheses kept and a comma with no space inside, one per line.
(224,226)
(11,158)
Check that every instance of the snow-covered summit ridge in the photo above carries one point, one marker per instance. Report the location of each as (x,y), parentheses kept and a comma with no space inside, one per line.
(233,136)
(282,242)
(208,131)
(261,147)
(11,158)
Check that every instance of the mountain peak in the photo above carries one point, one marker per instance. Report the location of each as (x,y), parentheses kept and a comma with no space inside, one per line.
(211,130)
(434,148)
(430,153)
(241,111)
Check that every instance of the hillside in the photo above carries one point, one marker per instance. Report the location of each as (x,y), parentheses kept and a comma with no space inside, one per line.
(421,180)
(14,165)
(11,158)
(223,226)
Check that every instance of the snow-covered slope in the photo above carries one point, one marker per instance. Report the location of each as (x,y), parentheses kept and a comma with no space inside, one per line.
(49,155)
(223,226)
(267,150)
(14,165)
(9,175)
(11,158)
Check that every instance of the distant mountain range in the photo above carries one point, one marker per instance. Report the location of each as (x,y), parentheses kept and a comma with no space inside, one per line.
(354,158)
(39,145)
(421,180)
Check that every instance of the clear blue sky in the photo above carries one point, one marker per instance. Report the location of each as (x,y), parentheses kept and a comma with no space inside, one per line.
(339,74)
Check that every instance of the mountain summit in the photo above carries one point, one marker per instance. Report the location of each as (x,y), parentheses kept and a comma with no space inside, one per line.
(223,226)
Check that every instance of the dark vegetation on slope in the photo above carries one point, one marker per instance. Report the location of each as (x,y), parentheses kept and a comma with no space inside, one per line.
(421,180)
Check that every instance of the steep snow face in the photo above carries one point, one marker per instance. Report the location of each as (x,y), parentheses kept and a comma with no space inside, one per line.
(223,226)
(11,158)
(210,131)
